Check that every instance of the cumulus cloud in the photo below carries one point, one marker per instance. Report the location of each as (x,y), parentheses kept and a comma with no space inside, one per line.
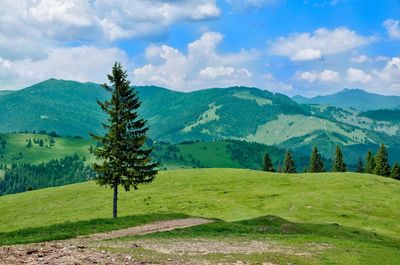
(85,63)
(355,75)
(313,76)
(312,46)
(24,24)
(201,67)
(391,72)
(393,28)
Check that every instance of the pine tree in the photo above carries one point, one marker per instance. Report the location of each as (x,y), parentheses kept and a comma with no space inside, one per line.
(382,167)
(360,166)
(268,166)
(370,165)
(289,164)
(122,158)
(395,171)
(316,163)
(29,143)
(338,162)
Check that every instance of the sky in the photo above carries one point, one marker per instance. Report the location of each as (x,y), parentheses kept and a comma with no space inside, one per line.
(306,47)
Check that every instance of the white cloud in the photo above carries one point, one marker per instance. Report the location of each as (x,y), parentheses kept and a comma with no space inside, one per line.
(391,72)
(313,76)
(393,28)
(360,59)
(201,67)
(85,63)
(243,4)
(306,55)
(213,73)
(355,75)
(321,42)
(30,28)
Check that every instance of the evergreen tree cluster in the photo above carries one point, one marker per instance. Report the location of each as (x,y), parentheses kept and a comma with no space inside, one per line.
(57,172)
(377,164)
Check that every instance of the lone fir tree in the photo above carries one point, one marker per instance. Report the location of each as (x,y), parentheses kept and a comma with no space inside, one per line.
(316,163)
(289,164)
(382,167)
(267,163)
(338,162)
(370,165)
(123,160)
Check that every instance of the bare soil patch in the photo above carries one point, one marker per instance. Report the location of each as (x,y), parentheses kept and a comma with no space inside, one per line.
(77,251)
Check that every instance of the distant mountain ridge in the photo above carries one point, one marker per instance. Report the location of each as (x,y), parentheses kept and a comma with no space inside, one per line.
(239,113)
(353,98)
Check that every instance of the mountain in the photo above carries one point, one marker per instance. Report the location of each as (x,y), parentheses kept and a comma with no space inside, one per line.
(353,98)
(239,113)
(5,92)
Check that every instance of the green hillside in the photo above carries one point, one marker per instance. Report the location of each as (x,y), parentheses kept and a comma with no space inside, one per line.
(353,98)
(241,113)
(226,154)
(355,214)
(17,151)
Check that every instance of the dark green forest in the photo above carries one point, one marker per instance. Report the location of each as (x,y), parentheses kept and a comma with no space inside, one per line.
(57,172)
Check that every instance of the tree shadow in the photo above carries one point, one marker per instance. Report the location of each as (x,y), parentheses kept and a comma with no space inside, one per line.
(73,229)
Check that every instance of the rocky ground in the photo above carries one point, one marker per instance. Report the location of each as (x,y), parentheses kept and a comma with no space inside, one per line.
(83,250)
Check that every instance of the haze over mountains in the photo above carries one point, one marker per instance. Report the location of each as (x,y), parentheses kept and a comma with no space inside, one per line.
(354,98)
(241,113)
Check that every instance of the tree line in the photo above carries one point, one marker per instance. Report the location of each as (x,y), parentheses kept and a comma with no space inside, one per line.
(56,172)
(377,164)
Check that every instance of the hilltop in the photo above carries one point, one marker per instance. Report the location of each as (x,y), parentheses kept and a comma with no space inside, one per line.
(341,218)
(353,98)
(241,113)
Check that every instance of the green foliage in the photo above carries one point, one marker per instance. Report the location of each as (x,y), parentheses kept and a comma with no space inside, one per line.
(370,166)
(123,158)
(395,173)
(338,162)
(316,162)
(25,177)
(382,167)
(267,165)
(360,166)
(289,164)
(383,114)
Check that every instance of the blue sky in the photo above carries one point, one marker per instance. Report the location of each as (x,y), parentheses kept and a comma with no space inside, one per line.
(306,47)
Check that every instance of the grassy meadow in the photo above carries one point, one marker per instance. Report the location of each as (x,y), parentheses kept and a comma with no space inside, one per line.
(357,212)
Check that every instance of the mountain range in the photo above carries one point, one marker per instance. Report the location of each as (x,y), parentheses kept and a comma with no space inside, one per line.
(239,113)
(353,98)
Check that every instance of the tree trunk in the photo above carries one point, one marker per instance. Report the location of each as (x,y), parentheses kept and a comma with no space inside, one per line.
(115,201)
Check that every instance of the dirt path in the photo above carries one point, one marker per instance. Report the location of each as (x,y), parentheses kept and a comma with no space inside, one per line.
(78,251)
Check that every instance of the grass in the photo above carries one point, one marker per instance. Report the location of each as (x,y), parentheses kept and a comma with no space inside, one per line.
(73,229)
(327,243)
(290,126)
(355,213)
(16,150)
